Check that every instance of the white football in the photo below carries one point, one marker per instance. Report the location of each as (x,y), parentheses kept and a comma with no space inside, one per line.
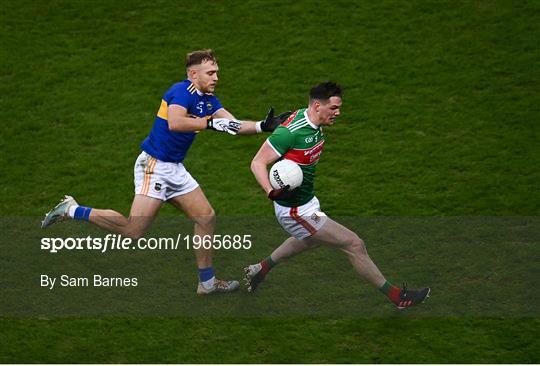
(286,172)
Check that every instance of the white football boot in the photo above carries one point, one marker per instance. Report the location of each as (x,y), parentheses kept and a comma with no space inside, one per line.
(219,286)
(59,213)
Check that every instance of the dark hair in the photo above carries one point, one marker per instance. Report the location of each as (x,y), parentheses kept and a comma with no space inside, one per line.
(198,57)
(325,91)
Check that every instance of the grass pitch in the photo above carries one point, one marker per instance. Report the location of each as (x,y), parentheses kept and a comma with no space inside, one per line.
(439,120)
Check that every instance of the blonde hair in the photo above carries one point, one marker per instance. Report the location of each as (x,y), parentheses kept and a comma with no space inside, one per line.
(200,56)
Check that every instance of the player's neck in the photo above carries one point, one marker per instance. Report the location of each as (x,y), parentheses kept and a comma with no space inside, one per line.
(196,87)
(313,118)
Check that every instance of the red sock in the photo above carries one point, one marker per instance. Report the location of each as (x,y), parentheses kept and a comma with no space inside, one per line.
(265,267)
(394,294)
(391,291)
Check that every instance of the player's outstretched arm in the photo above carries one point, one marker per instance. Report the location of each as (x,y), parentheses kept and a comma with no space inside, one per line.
(268,124)
(246,127)
(180,121)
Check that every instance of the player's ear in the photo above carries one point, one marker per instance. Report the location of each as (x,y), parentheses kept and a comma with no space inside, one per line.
(191,72)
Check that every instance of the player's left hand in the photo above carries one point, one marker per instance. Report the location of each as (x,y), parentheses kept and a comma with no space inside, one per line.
(270,123)
(224,125)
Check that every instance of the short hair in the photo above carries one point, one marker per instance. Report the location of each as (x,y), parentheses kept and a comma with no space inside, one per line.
(324,91)
(200,56)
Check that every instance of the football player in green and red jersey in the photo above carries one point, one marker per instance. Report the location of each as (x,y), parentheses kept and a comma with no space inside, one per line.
(301,140)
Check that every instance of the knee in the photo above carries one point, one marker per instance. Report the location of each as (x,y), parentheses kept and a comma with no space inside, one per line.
(356,245)
(208,218)
(134,228)
(134,233)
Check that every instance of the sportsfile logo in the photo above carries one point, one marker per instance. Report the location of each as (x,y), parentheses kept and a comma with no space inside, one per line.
(114,242)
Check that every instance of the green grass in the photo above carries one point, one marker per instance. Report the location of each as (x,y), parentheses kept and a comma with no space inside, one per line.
(440,121)
(271,340)
(446,257)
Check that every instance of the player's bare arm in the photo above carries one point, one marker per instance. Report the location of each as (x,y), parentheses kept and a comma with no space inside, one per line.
(264,157)
(180,121)
(268,124)
(246,128)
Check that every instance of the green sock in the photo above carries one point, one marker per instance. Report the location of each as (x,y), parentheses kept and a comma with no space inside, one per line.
(270,262)
(385,289)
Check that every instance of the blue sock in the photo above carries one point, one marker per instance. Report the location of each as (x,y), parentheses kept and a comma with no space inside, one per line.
(82,213)
(206,274)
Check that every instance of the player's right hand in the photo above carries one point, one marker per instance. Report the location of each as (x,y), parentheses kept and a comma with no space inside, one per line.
(223,125)
(281,194)
(271,122)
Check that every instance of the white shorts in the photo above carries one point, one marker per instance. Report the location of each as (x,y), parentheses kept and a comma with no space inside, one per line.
(301,221)
(160,179)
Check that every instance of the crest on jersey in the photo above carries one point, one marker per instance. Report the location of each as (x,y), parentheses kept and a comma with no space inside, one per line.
(200,107)
(209,106)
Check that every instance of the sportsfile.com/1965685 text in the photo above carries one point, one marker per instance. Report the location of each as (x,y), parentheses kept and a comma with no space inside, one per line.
(118,242)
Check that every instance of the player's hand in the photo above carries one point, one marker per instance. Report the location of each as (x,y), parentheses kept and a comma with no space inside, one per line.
(224,125)
(281,194)
(270,123)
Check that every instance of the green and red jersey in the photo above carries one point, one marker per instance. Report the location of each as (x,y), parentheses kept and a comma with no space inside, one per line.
(301,141)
